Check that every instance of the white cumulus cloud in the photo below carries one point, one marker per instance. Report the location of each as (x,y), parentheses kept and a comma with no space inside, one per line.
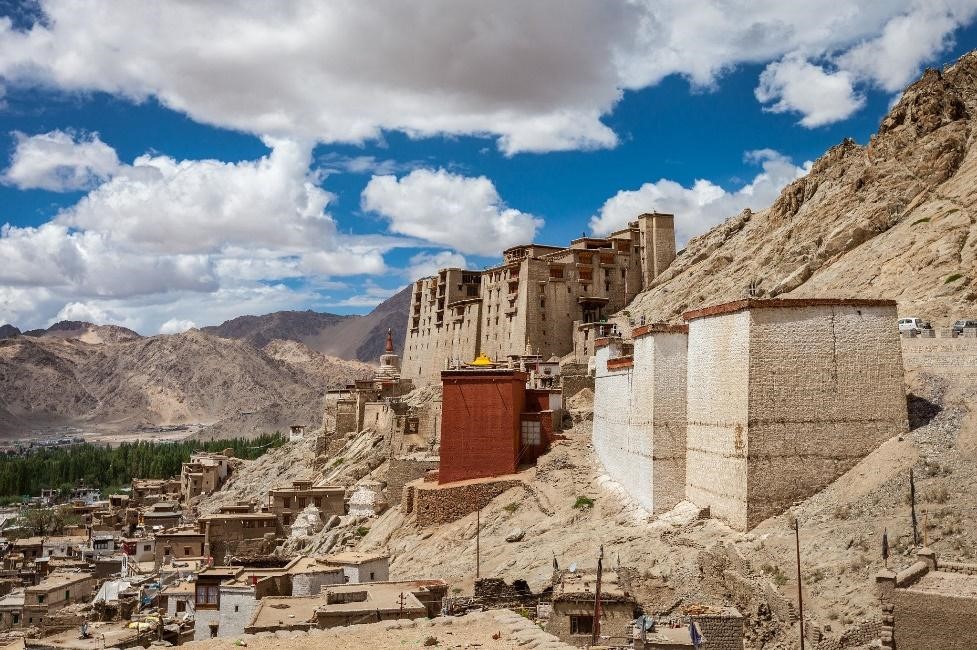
(60,162)
(460,212)
(704,204)
(821,97)
(176,326)
(537,76)
(424,264)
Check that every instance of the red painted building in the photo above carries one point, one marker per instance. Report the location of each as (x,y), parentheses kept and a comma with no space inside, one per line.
(490,423)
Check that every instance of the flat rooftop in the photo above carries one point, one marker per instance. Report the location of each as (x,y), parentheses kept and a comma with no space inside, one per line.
(56,580)
(355,557)
(946,583)
(783,303)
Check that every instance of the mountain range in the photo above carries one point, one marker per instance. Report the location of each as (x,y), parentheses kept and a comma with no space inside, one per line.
(249,375)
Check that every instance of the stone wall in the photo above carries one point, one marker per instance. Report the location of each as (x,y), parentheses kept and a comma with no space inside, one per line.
(437,505)
(784,397)
(401,471)
(495,593)
(948,357)
(574,377)
(639,416)
(721,631)
(312,582)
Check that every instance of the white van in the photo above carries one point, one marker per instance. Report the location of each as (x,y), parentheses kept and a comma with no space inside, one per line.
(913,324)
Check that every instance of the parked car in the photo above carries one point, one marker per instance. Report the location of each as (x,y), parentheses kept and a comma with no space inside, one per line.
(959,326)
(913,324)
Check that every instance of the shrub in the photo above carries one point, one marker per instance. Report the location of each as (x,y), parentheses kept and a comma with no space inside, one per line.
(583,502)
(511,507)
(362,531)
(775,573)
(923,220)
(430,641)
(843,512)
(952,278)
(337,462)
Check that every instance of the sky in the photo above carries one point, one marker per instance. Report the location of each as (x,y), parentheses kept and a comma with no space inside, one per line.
(171,165)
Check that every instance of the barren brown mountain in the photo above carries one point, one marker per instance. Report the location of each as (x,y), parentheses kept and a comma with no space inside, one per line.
(168,379)
(345,337)
(892,219)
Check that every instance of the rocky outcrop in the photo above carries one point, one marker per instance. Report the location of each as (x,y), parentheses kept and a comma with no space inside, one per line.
(892,219)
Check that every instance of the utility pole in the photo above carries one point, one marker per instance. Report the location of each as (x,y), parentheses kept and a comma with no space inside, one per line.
(478,530)
(600,570)
(800,593)
(912,504)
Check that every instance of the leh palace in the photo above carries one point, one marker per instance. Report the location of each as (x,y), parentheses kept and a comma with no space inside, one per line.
(299,347)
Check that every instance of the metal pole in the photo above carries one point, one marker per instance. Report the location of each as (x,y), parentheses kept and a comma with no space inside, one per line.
(478,526)
(800,594)
(596,625)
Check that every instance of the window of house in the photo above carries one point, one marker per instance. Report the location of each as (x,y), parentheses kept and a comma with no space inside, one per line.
(301,502)
(40,598)
(318,502)
(181,606)
(237,608)
(67,594)
(208,595)
(186,551)
(581,625)
(531,433)
(371,576)
(286,502)
(15,618)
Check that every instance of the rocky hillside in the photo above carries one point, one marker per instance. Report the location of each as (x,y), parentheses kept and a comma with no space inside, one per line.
(289,325)
(892,219)
(192,377)
(346,337)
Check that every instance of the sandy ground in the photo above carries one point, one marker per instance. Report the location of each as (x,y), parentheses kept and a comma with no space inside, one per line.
(497,630)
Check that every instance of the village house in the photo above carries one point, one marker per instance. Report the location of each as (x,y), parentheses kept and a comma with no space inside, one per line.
(542,300)
(139,549)
(930,604)
(179,544)
(572,617)
(286,501)
(178,599)
(12,609)
(205,473)
(206,603)
(53,593)
(231,532)
(361,567)
(162,514)
(63,546)
(30,548)
(147,491)
(343,605)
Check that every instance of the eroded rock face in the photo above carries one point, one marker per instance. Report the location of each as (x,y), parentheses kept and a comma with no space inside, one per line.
(892,219)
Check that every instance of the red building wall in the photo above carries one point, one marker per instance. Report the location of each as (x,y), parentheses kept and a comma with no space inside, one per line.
(480,415)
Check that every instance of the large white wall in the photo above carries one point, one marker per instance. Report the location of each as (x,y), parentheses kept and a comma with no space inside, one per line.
(716,448)
(826,389)
(639,419)
(783,400)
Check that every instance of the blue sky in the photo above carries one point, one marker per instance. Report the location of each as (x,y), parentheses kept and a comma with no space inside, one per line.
(163,184)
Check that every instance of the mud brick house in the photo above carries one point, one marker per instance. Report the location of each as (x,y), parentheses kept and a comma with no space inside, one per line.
(287,501)
(180,544)
(572,618)
(930,604)
(536,300)
(230,532)
(53,593)
(361,567)
(203,474)
(490,423)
